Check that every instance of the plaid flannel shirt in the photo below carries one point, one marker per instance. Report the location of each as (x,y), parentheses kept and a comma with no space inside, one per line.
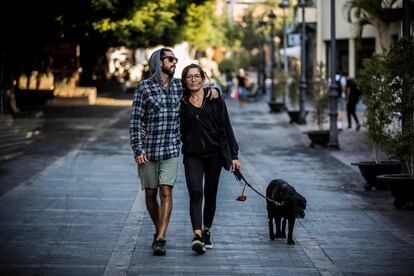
(158,110)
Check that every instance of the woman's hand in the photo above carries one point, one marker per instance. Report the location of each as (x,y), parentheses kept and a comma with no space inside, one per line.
(235,165)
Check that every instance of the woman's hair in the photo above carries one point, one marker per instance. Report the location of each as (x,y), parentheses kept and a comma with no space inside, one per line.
(184,74)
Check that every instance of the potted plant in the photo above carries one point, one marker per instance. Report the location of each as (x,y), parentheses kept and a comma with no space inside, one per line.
(320,113)
(293,85)
(377,98)
(399,135)
(278,90)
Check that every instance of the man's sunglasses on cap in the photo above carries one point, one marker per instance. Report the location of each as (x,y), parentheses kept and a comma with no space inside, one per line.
(170,58)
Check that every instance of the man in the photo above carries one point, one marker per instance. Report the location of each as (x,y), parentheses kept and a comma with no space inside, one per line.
(352,98)
(156,106)
(340,79)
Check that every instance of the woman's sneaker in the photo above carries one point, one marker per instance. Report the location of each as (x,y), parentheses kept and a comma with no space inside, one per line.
(198,245)
(207,239)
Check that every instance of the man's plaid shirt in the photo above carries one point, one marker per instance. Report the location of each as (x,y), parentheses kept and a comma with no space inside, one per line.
(158,110)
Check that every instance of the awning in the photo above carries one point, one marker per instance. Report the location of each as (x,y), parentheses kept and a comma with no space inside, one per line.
(291,52)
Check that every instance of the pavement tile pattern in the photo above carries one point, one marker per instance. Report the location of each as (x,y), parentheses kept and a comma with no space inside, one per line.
(84,214)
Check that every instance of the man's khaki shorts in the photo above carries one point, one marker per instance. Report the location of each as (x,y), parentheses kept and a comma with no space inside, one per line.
(154,173)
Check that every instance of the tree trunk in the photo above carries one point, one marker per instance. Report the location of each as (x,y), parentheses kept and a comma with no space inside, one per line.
(193,52)
(376,149)
(381,36)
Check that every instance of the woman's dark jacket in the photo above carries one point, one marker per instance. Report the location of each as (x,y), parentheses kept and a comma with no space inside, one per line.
(202,128)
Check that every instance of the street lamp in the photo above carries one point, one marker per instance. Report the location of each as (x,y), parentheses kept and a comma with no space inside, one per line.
(284,5)
(261,76)
(303,86)
(272,17)
(406,19)
(333,91)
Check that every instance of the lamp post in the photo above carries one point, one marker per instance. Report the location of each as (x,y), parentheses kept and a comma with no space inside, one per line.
(272,17)
(284,5)
(406,19)
(261,66)
(259,63)
(303,86)
(333,92)
(405,124)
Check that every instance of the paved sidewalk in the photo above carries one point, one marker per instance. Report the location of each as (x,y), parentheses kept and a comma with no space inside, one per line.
(85,214)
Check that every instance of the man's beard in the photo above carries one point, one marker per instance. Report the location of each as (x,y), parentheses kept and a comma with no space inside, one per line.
(169,71)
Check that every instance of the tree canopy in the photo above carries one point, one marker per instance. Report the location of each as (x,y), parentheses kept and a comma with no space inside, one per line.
(28,28)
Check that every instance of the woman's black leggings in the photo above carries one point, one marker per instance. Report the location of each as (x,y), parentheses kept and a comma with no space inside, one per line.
(196,169)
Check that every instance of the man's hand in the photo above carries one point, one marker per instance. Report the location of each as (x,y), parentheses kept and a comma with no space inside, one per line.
(235,165)
(141,159)
(213,93)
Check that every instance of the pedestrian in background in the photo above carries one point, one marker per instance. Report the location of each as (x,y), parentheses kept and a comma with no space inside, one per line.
(229,82)
(352,97)
(340,79)
(241,87)
(155,139)
(203,123)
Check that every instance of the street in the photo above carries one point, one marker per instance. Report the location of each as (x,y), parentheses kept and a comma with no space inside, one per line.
(74,206)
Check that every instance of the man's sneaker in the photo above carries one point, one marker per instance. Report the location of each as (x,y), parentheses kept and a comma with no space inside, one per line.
(198,245)
(153,241)
(159,248)
(358,127)
(207,239)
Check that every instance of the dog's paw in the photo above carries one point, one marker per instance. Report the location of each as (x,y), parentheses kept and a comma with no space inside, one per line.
(272,237)
(290,241)
(280,236)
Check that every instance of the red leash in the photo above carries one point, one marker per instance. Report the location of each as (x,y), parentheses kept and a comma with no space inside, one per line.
(239,177)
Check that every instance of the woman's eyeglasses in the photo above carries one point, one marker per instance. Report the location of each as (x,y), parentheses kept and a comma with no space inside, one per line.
(170,58)
(195,77)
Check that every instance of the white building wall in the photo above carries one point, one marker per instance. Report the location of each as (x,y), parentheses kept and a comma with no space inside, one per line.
(343,29)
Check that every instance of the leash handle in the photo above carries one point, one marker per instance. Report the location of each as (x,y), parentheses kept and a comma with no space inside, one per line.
(239,177)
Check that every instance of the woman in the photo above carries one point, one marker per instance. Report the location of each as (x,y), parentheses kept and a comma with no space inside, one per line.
(203,123)
(242,79)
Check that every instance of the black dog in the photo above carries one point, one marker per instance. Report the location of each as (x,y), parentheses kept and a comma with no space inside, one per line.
(292,207)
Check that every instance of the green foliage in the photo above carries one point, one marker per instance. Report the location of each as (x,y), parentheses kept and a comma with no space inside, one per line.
(399,135)
(145,26)
(233,36)
(234,63)
(376,96)
(294,87)
(202,28)
(95,25)
(320,95)
(388,82)
(228,63)
(280,85)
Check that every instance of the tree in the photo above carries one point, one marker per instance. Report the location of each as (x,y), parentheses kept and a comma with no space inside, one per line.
(371,12)
(202,28)
(95,25)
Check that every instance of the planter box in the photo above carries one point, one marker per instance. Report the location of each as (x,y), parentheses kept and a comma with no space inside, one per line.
(370,170)
(294,116)
(318,137)
(401,187)
(75,96)
(26,98)
(276,107)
